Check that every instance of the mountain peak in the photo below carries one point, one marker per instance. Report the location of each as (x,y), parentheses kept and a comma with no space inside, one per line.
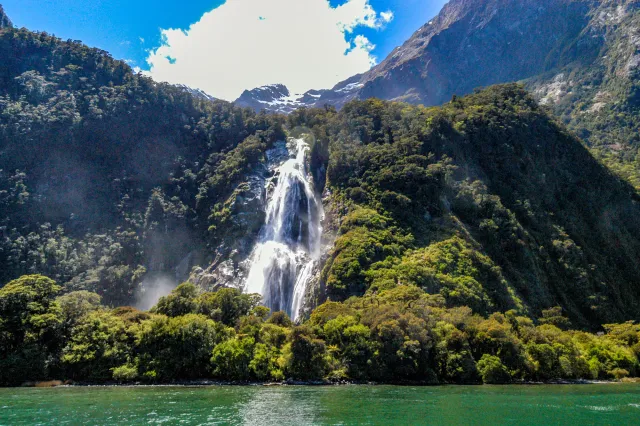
(198,93)
(5,22)
(267,91)
(272,98)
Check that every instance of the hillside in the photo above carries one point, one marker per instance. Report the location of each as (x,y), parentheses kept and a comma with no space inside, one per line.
(106,176)
(112,182)
(578,57)
(5,22)
(488,182)
(457,244)
(597,95)
(455,227)
(475,43)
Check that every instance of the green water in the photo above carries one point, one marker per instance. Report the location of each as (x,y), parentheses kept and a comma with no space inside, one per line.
(605,404)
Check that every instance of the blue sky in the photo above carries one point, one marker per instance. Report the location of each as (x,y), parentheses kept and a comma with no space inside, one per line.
(132,30)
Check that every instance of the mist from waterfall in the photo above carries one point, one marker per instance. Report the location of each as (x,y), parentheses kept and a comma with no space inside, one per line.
(284,260)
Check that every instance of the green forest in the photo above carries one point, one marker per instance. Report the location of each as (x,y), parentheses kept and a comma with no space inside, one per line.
(399,335)
(476,242)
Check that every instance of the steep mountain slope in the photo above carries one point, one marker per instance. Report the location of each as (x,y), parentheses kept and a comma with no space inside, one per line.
(476,43)
(5,22)
(110,181)
(472,43)
(579,57)
(486,201)
(107,177)
(273,98)
(600,98)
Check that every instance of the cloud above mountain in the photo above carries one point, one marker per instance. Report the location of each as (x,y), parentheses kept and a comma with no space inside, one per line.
(244,44)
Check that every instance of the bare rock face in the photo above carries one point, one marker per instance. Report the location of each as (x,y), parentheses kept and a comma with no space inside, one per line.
(474,43)
(5,22)
(477,43)
(198,93)
(246,207)
(272,98)
(245,215)
(277,98)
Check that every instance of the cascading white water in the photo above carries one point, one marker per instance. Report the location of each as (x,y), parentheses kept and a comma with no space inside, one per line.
(289,248)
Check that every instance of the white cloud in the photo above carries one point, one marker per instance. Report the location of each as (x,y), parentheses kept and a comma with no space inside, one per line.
(386,17)
(243,44)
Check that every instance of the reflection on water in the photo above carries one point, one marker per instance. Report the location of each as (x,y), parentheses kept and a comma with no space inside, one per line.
(274,405)
(617,404)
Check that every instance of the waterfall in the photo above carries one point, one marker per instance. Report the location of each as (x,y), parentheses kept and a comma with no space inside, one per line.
(283,261)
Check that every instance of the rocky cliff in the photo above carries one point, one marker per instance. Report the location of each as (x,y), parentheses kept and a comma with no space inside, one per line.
(472,43)
(5,22)
(578,57)
(273,98)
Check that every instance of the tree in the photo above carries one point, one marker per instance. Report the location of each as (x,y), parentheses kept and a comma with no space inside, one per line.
(227,305)
(305,356)
(454,361)
(492,370)
(555,317)
(181,301)
(280,318)
(99,343)
(30,325)
(76,304)
(178,348)
(232,357)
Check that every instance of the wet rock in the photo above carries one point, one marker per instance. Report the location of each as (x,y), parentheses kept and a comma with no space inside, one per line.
(240,220)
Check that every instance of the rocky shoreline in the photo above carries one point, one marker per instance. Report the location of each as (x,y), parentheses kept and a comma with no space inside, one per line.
(210,383)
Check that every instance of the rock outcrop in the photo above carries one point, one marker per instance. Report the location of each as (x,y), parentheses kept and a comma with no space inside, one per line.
(5,22)
(245,211)
(273,98)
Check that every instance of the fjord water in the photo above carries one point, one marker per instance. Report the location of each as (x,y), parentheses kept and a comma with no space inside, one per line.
(289,247)
(614,404)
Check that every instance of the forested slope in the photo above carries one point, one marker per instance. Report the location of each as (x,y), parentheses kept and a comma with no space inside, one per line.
(487,201)
(106,175)
(464,241)
(579,57)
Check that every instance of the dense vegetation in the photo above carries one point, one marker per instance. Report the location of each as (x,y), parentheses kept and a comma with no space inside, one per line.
(105,175)
(595,89)
(465,240)
(486,201)
(398,335)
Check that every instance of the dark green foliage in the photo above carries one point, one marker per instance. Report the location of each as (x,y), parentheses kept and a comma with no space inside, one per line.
(181,301)
(366,237)
(77,304)
(280,318)
(30,326)
(305,355)
(453,227)
(492,370)
(464,276)
(402,334)
(99,343)
(227,305)
(232,358)
(104,170)
(177,348)
(453,357)
(599,89)
(486,201)
(554,317)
